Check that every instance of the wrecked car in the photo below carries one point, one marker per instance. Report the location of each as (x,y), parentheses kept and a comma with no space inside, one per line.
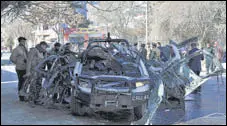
(110,78)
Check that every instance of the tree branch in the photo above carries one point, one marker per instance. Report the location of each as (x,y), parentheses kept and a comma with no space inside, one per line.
(106,10)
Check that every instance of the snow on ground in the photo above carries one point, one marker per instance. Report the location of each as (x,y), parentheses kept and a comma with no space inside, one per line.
(224,65)
(10,68)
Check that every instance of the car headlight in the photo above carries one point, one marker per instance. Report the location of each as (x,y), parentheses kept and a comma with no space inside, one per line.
(139,84)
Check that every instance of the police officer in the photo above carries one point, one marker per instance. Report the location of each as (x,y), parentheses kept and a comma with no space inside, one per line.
(35,56)
(19,57)
(143,52)
(56,49)
(155,52)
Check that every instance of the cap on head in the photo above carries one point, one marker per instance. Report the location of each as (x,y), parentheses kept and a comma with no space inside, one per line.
(68,44)
(154,45)
(57,44)
(193,45)
(43,43)
(143,45)
(21,38)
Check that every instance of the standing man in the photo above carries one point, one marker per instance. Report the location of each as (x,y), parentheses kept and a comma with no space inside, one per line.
(155,53)
(143,52)
(134,49)
(209,59)
(56,49)
(218,51)
(135,46)
(35,56)
(19,57)
(195,62)
(162,56)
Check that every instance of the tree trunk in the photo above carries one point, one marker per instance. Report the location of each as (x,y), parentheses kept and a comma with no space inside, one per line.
(10,49)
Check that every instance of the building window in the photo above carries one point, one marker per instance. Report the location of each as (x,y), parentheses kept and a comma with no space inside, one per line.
(45,27)
(45,37)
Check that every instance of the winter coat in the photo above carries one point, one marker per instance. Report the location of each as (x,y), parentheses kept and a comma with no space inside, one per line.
(35,56)
(143,52)
(219,53)
(195,62)
(162,55)
(19,57)
(211,51)
(54,52)
(155,54)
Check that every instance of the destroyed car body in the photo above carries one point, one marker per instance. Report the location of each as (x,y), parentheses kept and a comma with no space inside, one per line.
(107,77)
(110,77)
(178,79)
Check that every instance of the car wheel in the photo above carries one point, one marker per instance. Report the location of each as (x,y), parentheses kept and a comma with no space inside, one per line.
(139,111)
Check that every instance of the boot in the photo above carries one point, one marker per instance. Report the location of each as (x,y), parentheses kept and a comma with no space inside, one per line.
(21,98)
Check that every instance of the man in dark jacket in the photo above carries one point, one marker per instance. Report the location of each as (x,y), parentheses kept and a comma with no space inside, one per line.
(195,62)
(19,57)
(143,52)
(162,56)
(54,51)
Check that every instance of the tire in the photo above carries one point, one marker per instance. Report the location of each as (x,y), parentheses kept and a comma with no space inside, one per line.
(139,111)
(76,107)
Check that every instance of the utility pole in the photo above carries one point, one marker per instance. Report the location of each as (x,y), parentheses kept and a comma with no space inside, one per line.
(146,22)
(60,34)
(58,23)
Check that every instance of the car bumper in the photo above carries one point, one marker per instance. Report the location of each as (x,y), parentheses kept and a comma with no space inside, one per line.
(112,99)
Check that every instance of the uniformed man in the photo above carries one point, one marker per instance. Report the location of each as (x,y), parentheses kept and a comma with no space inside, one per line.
(143,52)
(56,49)
(155,53)
(35,56)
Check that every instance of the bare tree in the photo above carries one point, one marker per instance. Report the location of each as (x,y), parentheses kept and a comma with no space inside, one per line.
(182,20)
(19,28)
(9,43)
(124,21)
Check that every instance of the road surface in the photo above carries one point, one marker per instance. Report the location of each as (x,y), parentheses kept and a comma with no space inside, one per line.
(207,107)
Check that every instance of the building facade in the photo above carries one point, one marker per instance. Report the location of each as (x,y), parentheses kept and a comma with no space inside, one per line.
(45,33)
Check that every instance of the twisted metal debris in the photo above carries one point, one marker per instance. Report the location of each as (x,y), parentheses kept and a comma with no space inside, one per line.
(110,76)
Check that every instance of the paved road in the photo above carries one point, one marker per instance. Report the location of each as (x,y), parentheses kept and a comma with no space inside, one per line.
(207,107)
(211,102)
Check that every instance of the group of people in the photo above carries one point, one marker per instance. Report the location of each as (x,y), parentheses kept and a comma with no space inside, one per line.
(155,53)
(195,62)
(26,61)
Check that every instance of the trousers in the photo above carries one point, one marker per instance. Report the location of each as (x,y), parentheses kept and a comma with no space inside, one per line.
(35,87)
(20,74)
